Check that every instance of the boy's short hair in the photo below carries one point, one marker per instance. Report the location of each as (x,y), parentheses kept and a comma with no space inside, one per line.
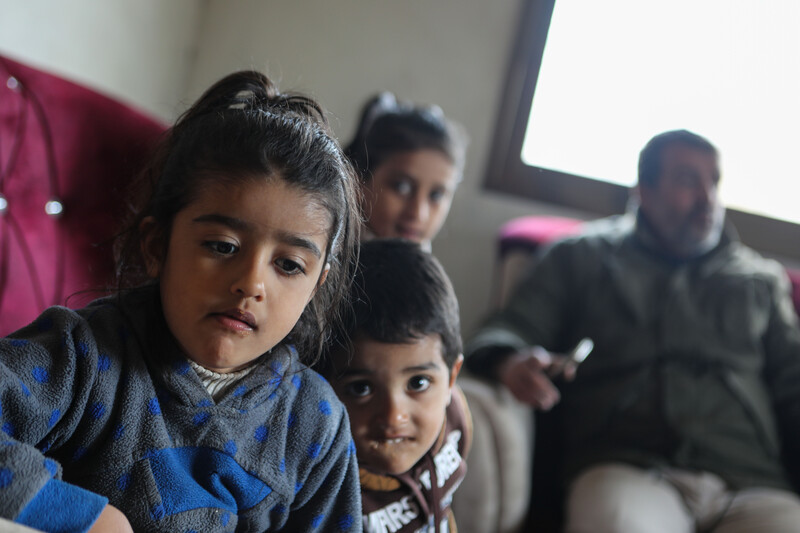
(400,293)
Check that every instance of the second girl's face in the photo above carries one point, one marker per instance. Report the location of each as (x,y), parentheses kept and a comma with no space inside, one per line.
(242,262)
(409,195)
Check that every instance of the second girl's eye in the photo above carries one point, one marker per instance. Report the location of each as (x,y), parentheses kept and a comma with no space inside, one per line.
(358,389)
(221,247)
(436,195)
(419,383)
(290,267)
(402,187)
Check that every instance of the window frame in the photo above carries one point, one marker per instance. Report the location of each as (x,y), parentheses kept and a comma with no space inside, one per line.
(507,173)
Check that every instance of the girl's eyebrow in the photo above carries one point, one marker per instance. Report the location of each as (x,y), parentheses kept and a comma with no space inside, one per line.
(242,225)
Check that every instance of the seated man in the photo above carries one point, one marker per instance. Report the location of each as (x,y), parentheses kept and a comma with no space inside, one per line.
(677,420)
(395,370)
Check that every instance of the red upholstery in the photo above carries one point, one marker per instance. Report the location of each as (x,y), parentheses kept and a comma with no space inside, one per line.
(529,232)
(60,140)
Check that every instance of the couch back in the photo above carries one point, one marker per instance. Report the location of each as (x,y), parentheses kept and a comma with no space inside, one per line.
(66,155)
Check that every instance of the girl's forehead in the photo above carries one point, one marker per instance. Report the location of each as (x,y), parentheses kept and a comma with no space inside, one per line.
(264,201)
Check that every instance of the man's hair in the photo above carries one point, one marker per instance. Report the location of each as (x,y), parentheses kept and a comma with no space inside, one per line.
(400,293)
(650,156)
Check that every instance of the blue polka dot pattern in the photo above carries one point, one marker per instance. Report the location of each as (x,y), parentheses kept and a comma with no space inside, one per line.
(282,466)
(44,446)
(201,418)
(278,509)
(230,448)
(119,431)
(313,450)
(317,520)
(181,367)
(124,481)
(6,477)
(296,381)
(40,374)
(18,343)
(352,448)
(97,410)
(103,363)
(204,403)
(80,451)
(261,433)
(8,429)
(224,519)
(54,416)
(51,466)
(292,420)
(153,406)
(325,407)
(240,390)
(345,522)
(157,512)
(25,390)
(83,349)
(298,486)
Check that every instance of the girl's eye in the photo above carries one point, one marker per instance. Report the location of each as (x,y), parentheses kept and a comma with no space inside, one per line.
(358,389)
(436,195)
(402,187)
(289,267)
(419,383)
(221,247)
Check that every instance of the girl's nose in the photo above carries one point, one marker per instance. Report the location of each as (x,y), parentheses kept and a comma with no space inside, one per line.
(417,208)
(251,281)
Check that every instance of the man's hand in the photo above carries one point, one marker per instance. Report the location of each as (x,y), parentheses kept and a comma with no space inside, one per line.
(527,375)
(111,520)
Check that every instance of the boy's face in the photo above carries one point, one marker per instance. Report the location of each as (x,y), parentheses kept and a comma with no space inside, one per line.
(396,396)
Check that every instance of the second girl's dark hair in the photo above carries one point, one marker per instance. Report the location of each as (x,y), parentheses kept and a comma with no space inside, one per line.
(387,127)
(243,129)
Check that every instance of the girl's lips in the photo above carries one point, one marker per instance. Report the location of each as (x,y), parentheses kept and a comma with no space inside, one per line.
(238,319)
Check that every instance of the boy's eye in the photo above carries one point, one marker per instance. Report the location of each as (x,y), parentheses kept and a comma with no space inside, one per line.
(359,389)
(290,267)
(221,247)
(419,383)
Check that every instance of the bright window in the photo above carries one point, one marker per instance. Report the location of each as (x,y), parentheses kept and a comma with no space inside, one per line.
(592,81)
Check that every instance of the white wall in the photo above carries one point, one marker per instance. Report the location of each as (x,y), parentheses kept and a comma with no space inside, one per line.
(160,54)
(139,51)
(449,52)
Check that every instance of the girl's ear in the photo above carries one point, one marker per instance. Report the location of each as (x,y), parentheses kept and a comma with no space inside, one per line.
(324,274)
(322,277)
(152,248)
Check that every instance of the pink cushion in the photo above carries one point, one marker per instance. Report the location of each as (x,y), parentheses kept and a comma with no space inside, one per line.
(58,139)
(529,232)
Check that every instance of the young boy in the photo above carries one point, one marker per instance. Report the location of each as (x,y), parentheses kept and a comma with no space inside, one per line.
(395,370)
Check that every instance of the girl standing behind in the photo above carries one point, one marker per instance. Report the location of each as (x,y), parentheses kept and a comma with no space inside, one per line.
(183,401)
(410,160)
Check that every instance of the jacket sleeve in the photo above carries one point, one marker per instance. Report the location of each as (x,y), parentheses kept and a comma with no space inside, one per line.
(533,316)
(330,496)
(46,372)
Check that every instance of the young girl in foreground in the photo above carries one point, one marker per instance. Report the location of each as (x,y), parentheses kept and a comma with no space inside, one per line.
(183,400)
(410,159)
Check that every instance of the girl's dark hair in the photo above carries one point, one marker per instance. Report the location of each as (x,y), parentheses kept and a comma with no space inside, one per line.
(242,129)
(388,126)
